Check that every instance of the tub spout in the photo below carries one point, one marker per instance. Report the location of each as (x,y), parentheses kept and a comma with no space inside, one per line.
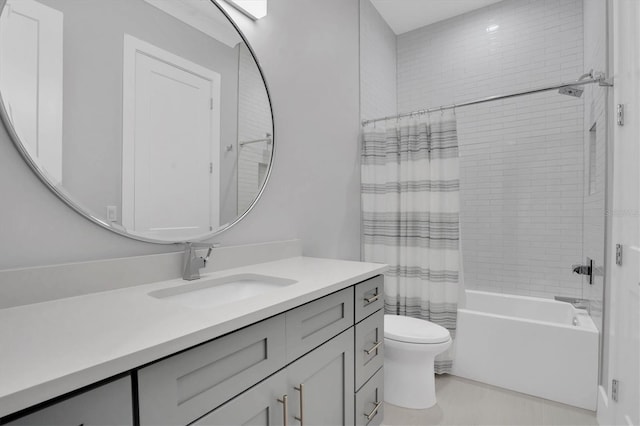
(581,269)
(584,269)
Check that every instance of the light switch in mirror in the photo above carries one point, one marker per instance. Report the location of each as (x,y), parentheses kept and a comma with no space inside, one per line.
(149,117)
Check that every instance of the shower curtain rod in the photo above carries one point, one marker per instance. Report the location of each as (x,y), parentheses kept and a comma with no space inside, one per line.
(599,78)
(267,139)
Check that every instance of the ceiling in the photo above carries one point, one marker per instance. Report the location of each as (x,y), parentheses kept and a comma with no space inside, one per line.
(201,16)
(407,15)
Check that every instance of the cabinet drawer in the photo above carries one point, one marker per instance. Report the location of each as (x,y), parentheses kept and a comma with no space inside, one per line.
(369,297)
(369,401)
(310,325)
(369,347)
(182,388)
(109,404)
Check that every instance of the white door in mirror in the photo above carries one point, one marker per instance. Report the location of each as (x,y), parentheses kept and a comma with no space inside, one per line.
(31,80)
(174,172)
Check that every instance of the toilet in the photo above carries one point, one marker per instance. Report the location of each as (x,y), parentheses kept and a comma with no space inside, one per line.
(410,348)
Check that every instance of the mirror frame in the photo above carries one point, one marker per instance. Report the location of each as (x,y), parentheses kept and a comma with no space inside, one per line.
(68,200)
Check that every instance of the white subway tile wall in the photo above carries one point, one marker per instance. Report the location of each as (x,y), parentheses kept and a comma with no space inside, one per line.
(522,160)
(254,122)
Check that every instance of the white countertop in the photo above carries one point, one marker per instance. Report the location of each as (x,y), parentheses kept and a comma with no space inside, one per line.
(51,348)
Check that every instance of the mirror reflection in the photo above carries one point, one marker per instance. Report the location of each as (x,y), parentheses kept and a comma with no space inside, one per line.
(151,116)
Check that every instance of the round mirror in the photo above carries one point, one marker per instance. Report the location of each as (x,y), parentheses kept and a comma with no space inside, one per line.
(149,117)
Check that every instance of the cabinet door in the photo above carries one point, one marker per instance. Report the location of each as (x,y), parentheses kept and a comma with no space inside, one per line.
(109,404)
(321,384)
(262,405)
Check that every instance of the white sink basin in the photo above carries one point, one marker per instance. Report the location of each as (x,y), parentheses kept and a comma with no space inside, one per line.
(208,293)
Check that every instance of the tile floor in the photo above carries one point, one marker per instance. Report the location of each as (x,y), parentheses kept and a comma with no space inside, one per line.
(465,402)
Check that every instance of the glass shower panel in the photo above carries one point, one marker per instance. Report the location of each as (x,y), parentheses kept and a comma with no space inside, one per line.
(522,195)
(594,198)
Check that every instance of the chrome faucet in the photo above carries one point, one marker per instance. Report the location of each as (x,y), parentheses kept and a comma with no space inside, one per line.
(192,262)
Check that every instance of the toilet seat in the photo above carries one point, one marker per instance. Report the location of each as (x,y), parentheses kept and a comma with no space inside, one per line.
(414,330)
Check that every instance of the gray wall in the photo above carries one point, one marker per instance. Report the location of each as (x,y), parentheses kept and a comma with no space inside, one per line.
(309,52)
(378,64)
(93,63)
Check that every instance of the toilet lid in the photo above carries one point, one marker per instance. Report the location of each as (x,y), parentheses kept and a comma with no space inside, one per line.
(413,330)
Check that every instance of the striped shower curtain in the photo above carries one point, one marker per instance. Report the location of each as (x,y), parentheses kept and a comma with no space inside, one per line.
(410,206)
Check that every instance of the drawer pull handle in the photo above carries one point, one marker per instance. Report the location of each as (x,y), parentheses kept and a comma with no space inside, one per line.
(285,410)
(372,298)
(376,345)
(373,412)
(301,418)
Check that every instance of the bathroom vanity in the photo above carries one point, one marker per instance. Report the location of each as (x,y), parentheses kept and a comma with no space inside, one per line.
(310,352)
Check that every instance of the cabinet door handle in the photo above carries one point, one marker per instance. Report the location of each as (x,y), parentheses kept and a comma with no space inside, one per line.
(372,298)
(373,412)
(376,345)
(285,410)
(301,418)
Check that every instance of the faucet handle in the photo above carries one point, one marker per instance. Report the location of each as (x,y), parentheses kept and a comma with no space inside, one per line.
(209,246)
(208,254)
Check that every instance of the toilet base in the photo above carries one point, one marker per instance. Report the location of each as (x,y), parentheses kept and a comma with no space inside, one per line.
(409,379)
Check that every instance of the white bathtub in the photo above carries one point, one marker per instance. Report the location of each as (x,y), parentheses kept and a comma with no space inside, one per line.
(529,345)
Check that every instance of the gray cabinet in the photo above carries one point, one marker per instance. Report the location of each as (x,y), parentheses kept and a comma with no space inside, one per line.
(106,405)
(369,351)
(314,390)
(324,351)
